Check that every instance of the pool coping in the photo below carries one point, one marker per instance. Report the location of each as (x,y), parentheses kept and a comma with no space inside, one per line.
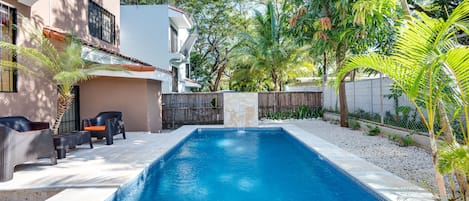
(380,181)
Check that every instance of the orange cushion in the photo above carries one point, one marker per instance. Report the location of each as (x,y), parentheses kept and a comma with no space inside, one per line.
(95,128)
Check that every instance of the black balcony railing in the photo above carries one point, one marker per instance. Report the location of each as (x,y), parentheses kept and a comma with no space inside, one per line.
(101,23)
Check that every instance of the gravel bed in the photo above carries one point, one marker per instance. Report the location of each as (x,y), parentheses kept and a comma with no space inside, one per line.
(411,163)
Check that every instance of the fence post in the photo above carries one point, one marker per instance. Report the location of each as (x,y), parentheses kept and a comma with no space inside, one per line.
(381,98)
(371,89)
(173,109)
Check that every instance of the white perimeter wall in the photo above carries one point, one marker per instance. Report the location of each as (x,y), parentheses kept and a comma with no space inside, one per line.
(364,95)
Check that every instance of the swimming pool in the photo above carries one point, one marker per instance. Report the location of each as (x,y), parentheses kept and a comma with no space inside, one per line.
(251,164)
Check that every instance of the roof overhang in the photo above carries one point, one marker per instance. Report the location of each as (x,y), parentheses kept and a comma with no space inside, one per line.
(133,67)
(179,18)
(191,83)
(27,2)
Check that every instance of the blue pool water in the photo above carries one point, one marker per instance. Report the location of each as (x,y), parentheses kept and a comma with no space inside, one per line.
(226,164)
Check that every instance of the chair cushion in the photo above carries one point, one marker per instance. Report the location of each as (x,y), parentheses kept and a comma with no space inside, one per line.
(103,116)
(95,128)
(18,123)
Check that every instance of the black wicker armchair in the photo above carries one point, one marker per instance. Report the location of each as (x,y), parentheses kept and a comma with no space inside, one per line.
(22,140)
(105,125)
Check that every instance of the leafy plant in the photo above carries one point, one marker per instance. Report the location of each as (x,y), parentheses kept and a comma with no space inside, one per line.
(406,141)
(301,113)
(394,137)
(353,124)
(402,141)
(430,66)
(372,131)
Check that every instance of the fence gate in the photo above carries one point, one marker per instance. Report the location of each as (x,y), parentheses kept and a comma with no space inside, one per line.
(192,108)
(71,119)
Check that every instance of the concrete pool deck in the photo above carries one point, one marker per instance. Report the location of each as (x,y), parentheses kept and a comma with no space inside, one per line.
(94,174)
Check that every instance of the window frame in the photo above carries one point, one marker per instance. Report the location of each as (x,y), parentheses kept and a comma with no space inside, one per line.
(174,35)
(13,13)
(96,26)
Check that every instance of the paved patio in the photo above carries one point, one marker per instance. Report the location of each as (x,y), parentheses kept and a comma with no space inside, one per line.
(104,167)
(94,174)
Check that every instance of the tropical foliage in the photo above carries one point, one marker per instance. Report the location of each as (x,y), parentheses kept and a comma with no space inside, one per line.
(431,68)
(64,67)
(268,53)
(337,27)
(218,24)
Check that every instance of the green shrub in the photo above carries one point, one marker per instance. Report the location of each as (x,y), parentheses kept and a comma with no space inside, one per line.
(394,137)
(406,141)
(302,112)
(353,124)
(372,131)
(402,141)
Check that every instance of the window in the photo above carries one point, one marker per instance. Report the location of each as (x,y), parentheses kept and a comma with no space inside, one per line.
(174,39)
(101,23)
(8,76)
(188,69)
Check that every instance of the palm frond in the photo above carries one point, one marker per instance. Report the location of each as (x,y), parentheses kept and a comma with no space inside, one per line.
(30,54)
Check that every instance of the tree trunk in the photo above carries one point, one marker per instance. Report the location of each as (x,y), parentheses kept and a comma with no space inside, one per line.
(438,177)
(343,105)
(275,79)
(340,56)
(63,103)
(449,137)
(324,69)
(405,8)
(221,70)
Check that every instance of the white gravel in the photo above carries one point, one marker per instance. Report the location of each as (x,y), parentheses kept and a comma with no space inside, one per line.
(411,163)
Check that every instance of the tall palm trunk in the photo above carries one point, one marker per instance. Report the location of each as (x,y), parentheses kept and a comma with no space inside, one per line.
(438,177)
(63,103)
(449,137)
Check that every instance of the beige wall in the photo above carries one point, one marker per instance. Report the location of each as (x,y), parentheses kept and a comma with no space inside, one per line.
(72,17)
(36,98)
(139,100)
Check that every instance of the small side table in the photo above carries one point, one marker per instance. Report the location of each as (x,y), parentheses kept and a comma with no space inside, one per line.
(83,137)
(65,141)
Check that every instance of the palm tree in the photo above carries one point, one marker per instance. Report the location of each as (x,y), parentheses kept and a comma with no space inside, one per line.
(65,68)
(270,50)
(427,61)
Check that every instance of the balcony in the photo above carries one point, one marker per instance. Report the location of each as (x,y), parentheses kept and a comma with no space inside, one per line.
(176,58)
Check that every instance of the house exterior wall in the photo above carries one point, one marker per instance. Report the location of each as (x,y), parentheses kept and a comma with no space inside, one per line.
(145,34)
(137,99)
(35,97)
(72,17)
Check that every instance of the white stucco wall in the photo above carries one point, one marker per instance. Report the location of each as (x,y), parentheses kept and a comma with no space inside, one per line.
(144,34)
(364,95)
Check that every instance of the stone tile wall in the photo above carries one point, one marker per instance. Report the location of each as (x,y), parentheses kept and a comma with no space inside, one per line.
(240,109)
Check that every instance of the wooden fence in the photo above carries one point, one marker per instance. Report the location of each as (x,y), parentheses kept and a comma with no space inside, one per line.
(192,108)
(271,102)
(207,108)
